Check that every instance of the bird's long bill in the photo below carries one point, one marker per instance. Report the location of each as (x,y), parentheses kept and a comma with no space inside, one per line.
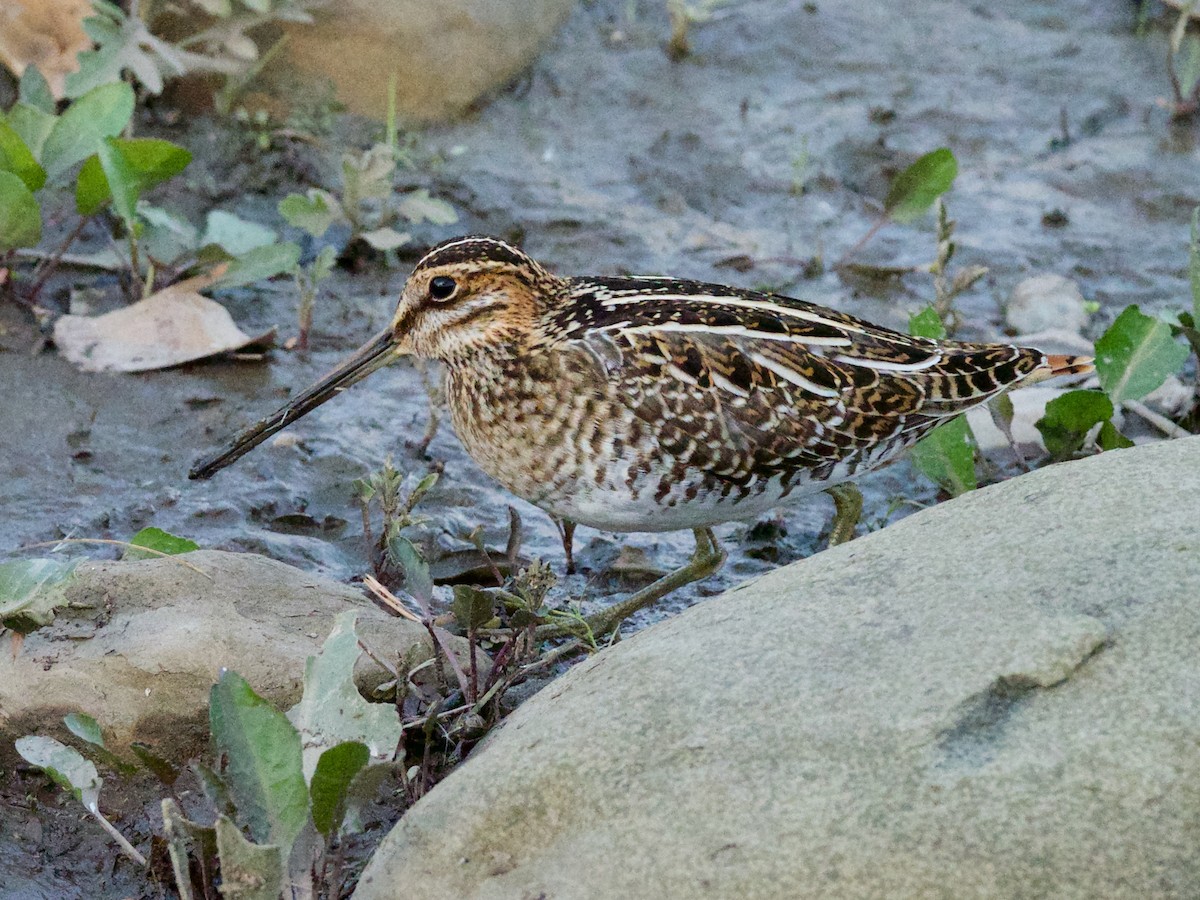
(375,354)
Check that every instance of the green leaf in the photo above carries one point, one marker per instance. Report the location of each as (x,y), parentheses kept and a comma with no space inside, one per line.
(249,871)
(84,727)
(263,766)
(166,236)
(260,264)
(159,767)
(78,132)
(331,710)
(417,580)
(419,207)
(122,170)
(1136,355)
(30,589)
(927,323)
(1111,439)
(87,729)
(946,456)
(472,607)
(35,91)
(313,212)
(20,215)
(65,765)
(1069,418)
(16,157)
(917,187)
(235,235)
(157,539)
(33,125)
(384,239)
(331,780)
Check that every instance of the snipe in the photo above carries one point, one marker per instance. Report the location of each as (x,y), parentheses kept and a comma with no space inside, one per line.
(658,404)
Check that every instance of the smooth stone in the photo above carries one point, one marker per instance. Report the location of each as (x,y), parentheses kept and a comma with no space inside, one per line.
(140,643)
(994,697)
(445,55)
(1046,302)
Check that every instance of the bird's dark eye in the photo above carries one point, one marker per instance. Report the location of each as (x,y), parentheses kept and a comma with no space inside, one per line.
(442,287)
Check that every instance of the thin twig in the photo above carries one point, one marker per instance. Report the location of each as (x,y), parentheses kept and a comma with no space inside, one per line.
(390,600)
(127,848)
(126,544)
(1161,422)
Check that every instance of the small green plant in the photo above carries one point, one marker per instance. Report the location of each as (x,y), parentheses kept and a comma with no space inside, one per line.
(1134,357)
(364,203)
(683,14)
(912,193)
(86,149)
(308,284)
(385,489)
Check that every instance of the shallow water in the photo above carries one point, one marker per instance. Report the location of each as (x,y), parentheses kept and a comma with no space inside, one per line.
(609,158)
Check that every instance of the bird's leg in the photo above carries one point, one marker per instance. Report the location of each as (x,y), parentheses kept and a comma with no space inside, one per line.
(566,531)
(707,559)
(848,504)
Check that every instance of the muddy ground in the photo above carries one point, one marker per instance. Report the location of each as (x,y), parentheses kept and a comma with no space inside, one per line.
(766,150)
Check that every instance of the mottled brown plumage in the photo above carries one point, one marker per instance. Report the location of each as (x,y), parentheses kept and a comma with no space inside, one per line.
(653,404)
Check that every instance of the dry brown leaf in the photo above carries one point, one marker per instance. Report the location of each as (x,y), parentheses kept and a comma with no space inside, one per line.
(46,33)
(173,326)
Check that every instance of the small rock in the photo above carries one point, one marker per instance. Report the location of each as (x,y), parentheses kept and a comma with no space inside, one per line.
(139,644)
(445,55)
(1046,302)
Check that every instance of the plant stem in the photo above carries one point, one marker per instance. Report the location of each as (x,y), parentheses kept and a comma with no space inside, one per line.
(127,848)
(47,268)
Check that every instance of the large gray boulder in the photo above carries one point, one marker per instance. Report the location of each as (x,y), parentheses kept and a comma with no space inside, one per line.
(996,697)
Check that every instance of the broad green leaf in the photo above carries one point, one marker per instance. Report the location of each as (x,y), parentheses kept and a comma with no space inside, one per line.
(33,125)
(260,264)
(157,539)
(1069,418)
(35,90)
(30,589)
(331,711)
(78,132)
(1136,355)
(417,580)
(946,456)
(917,187)
(139,164)
(65,765)
(472,607)
(313,212)
(20,214)
(331,780)
(16,157)
(419,207)
(235,235)
(927,324)
(249,871)
(263,768)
